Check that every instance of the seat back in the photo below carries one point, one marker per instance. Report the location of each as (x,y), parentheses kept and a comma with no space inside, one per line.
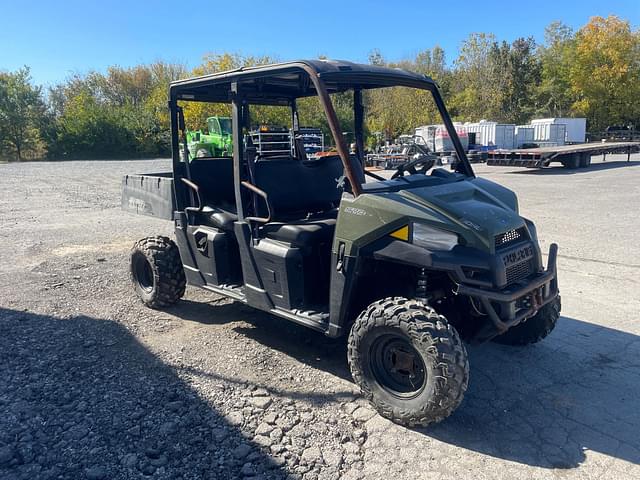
(297,188)
(214,176)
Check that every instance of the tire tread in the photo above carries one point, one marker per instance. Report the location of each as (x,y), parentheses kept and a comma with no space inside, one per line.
(169,279)
(424,325)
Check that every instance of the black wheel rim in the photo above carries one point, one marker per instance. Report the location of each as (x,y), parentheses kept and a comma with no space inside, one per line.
(397,366)
(143,272)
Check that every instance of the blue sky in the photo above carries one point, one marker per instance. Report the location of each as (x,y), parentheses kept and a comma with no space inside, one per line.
(59,38)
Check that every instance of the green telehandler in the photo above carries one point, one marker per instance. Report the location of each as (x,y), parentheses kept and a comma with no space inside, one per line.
(216,143)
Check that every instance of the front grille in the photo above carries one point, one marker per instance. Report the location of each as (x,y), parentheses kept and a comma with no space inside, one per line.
(512,236)
(519,271)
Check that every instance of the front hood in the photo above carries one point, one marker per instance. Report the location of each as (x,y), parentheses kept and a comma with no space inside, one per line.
(471,206)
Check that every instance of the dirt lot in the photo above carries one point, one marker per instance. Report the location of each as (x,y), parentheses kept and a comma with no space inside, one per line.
(93,385)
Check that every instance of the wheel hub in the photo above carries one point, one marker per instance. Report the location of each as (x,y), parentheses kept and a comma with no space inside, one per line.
(143,273)
(397,366)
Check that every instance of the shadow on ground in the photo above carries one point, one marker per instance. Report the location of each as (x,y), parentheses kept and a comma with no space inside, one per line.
(560,170)
(303,344)
(82,398)
(541,405)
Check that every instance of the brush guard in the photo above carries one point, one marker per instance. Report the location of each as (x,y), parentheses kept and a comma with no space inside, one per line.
(538,292)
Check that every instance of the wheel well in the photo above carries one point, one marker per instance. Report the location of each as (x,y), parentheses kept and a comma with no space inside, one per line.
(381,279)
(378,279)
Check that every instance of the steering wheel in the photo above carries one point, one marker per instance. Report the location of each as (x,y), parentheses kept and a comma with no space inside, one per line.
(419,164)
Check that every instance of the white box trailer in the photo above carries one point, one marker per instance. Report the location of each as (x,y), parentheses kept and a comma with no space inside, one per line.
(525,135)
(493,134)
(549,134)
(575,128)
(437,139)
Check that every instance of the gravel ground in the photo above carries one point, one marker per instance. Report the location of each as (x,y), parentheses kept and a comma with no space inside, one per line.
(94,385)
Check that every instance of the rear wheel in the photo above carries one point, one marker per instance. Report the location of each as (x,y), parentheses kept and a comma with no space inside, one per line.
(202,153)
(156,272)
(585,160)
(408,361)
(535,328)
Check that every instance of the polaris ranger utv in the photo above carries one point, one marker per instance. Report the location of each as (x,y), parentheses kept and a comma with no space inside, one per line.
(407,267)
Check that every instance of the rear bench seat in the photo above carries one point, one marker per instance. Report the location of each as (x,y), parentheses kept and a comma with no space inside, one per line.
(303,196)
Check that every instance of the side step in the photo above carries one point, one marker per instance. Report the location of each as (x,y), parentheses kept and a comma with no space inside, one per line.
(315,319)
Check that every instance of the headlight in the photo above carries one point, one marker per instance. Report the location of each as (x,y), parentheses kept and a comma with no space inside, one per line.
(433,238)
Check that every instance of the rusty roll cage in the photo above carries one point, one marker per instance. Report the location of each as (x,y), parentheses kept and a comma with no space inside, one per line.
(281,84)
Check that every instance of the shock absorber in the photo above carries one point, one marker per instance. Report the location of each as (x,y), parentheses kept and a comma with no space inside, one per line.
(422,286)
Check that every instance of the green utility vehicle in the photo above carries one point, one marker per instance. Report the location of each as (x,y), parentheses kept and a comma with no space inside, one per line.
(216,143)
(406,267)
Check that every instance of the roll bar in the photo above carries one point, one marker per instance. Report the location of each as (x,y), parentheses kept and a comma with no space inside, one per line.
(341,76)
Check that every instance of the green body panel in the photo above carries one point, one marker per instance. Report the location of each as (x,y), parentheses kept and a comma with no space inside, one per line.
(476,209)
(216,143)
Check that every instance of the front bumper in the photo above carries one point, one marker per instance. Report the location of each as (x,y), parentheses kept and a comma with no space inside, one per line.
(539,291)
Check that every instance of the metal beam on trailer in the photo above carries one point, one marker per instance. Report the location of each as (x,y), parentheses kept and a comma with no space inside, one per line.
(544,155)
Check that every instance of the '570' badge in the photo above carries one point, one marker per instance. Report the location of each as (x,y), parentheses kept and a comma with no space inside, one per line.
(355,211)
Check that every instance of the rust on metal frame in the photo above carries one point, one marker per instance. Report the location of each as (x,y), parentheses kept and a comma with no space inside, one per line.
(334,126)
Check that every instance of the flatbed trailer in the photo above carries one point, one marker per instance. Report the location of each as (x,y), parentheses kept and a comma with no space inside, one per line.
(571,156)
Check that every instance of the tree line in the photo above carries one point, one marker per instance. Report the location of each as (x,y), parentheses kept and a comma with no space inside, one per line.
(592,72)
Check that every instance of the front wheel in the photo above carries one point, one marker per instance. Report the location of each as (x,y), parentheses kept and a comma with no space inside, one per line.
(408,361)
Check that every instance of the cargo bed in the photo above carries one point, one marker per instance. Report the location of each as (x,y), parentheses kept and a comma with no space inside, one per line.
(150,194)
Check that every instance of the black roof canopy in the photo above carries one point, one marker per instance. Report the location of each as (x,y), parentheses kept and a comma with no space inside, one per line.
(280,83)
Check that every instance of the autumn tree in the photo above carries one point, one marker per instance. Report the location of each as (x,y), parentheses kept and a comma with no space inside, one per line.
(21,112)
(605,72)
(121,113)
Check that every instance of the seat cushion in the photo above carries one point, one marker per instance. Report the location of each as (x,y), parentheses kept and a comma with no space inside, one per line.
(218,218)
(302,232)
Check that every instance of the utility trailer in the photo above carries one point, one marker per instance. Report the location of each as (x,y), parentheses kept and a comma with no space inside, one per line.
(271,141)
(571,156)
(311,139)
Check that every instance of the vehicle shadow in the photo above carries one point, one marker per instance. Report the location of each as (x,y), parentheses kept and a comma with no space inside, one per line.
(81,397)
(301,343)
(560,170)
(216,311)
(541,405)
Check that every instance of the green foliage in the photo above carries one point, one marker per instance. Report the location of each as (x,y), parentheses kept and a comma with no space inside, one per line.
(122,112)
(21,113)
(554,95)
(605,73)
